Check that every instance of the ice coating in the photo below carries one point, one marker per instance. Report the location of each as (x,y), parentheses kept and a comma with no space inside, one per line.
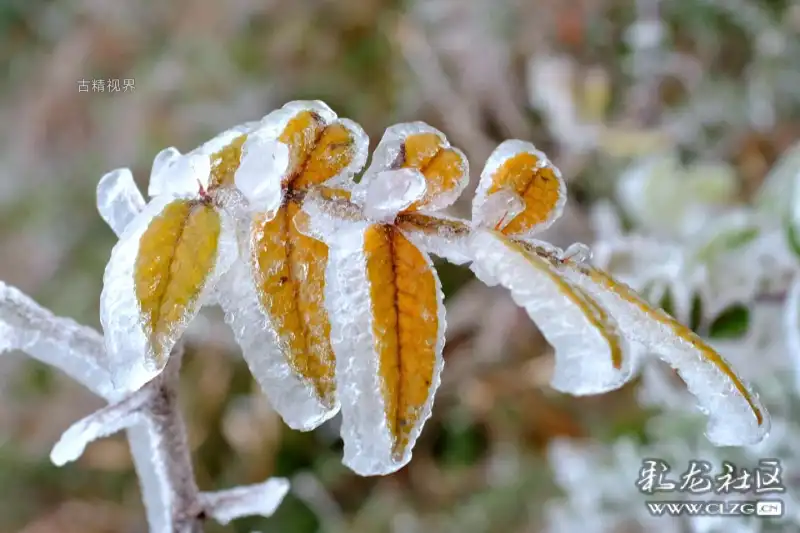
(105,422)
(293,398)
(364,340)
(499,209)
(736,415)
(289,352)
(160,172)
(261,499)
(60,342)
(127,344)
(420,146)
(591,356)
(518,166)
(274,124)
(264,161)
(442,236)
(118,199)
(385,194)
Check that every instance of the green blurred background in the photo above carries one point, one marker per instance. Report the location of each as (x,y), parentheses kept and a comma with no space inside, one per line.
(578,78)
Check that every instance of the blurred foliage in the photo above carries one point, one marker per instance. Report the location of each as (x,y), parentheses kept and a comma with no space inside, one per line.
(200,66)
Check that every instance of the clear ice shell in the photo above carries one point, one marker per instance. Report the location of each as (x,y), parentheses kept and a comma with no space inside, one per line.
(261,499)
(159,173)
(264,162)
(274,123)
(731,420)
(499,209)
(125,338)
(583,354)
(59,342)
(367,439)
(444,243)
(107,421)
(501,154)
(294,399)
(388,151)
(182,175)
(385,194)
(118,199)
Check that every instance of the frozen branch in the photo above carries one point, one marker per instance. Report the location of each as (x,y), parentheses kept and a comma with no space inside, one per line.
(155,427)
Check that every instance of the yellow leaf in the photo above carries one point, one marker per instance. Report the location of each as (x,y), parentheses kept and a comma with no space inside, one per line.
(540,187)
(444,168)
(290,279)
(225,162)
(318,152)
(177,252)
(405,305)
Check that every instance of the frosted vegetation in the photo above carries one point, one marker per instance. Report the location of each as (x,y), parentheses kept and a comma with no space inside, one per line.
(729,270)
(328,285)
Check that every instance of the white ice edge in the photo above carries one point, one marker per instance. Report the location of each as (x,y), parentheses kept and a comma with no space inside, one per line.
(583,355)
(731,421)
(367,439)
(389,148)
(261,499)
(125,339)
(385,194)
(505,151)
(107,421)
(293,398)
(118,199)
(263,163)
(444,244)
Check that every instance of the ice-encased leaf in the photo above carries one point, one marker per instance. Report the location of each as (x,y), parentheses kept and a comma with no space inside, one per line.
(261,499)
(518,167)
(385,194)
(296,399)
(591,355)
(736,415)
(118,199)
(264,162)
(159,274)
(387,330)
(416,145)
(59,342)
(322,148)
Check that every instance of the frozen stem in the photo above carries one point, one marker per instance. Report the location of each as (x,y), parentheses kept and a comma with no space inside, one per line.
(155,427)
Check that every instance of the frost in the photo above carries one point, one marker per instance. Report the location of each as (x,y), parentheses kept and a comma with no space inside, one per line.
(59,342)
(118,199)
(105,422)
(585,347)
(486,209)
(385,194)
(390,153)
(264,162)
(159,174)
(261,499)
(126,340)
(499,209)
(289,395)
(736,416)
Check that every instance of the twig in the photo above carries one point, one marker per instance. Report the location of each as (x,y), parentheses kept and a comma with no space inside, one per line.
(155,426)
